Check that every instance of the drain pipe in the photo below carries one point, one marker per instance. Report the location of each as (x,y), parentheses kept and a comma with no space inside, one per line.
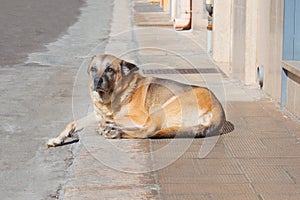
(209,8)
(260,75)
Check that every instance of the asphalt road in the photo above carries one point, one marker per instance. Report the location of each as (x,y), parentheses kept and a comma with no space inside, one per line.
(41,45)
(28,24)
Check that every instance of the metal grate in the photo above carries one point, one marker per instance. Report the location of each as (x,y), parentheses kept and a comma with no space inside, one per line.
(182,71)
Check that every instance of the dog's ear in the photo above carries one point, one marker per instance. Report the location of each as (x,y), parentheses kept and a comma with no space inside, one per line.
(127,67)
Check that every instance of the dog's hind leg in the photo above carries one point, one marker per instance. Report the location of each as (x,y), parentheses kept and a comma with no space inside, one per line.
(178,132)
(169,132)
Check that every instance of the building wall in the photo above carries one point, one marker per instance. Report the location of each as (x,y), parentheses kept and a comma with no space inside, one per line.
(222,32)
(238,38)
(199,15)
(248,33)
(269,44)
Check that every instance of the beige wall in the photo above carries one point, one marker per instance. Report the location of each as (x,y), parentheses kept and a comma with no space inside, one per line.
(199,15)
(251,41)
(238,38)
(248,33)
(222,32)
(269,44)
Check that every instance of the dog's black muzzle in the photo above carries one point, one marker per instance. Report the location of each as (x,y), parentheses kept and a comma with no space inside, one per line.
(97,84)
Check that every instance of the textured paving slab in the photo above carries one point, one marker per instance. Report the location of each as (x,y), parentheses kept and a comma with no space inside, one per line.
(113,169)
(262,150)
(259,159)
(105,169)
(150,14)
(142,6)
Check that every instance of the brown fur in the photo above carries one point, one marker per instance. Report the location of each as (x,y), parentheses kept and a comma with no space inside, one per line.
(129,105)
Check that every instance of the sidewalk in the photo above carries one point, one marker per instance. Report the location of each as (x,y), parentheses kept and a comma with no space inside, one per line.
(260,159)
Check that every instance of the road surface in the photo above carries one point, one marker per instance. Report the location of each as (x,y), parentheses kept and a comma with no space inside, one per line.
(42,43)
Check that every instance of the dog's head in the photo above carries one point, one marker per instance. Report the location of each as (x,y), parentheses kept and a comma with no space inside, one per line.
(105,71)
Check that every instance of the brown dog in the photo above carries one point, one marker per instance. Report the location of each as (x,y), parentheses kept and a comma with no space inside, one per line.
(129,105)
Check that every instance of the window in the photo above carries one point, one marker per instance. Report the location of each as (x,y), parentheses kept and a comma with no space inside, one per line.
(291,40)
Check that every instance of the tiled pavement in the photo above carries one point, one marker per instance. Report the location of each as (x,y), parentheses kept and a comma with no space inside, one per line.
(259,159)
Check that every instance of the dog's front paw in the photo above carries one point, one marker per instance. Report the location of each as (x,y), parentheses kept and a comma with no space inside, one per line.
(110,130)
(53,142)
(101,130)
(112,134)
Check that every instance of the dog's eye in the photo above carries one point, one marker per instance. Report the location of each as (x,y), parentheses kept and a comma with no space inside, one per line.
(93,69)
(109,69)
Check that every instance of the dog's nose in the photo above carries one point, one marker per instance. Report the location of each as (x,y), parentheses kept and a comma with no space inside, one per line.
(97,82)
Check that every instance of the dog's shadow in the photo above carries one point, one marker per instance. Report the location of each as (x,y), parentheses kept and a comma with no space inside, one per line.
(228,127)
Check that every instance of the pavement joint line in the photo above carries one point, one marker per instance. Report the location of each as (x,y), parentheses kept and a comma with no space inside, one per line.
(237,161)
(192,37)
(154,172)
(290,176)
(137,57)
(284,111)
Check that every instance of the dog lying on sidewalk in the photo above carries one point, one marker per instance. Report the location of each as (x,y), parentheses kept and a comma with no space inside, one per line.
(129,105)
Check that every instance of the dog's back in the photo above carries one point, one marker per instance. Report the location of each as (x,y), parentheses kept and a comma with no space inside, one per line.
(194,110)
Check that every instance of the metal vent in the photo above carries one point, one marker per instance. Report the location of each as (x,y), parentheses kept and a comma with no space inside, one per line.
(182,71)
